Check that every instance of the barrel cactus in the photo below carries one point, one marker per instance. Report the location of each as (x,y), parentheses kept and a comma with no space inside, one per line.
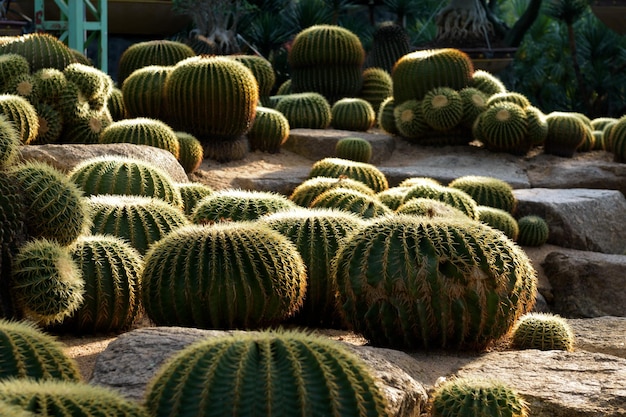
(269,131)
(190,151)
(390,42)
(465,397)
(392,197)
(67,399)
(428,207)
(121,175)
(214,98)
(316,233)
(385,117)
(84,127)
(351,201)
(12,64)
(142,131)
(327,59)
(499,219)
(22,113)
(566,132)
(115,104)
(224,276)
(487,191)
(442,108)
(474,103)
(354,149)
(50,124)
(453,196)
(262,70)
(509,97)
(238,205)
(29,352)
(306,110)
(503,127)
(377,86)
(309,189)
(49,82)
(533,230)
(143,92)
(191,193)
(614,135)
(367,173)
(41,50)
(160,52)
(416,73)
(22,85)
(352,114)
(139,220)
(94,84)
(537,126)
(325,379)
(9,142)
(409,120)
(487,82)
(409,282)
(543,331)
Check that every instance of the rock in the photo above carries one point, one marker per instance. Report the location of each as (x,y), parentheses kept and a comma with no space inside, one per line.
(129,362)
(579,218)
(317,144)
(605,334)
(586,284)
(66,156)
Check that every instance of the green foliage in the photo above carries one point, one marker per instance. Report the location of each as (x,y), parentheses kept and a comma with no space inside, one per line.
(160,52)
(238,205)
(191,152)
(67,399)
(53,204)
(317,234)
(136,219)
(122,175)
(324,379)
(543,331)
(354,114)
(354,149)
(226,276)
(352,201)
(533,231)
(309,189)
(28,352)
(367,173)
(487,191)
(269,131)
(47,284)
(142,131)
(305,110)
(143,92)
(409,282)
(465,397)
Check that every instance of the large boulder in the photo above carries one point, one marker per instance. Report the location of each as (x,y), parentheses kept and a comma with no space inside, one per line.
(586,284)
(579,218)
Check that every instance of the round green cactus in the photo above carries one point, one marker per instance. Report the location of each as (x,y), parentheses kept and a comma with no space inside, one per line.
(453,196)
(354,149)
(269,131)
(327,59)
(284,88)
(474,103)
(195,92)
(543,331)
(50,124)
(192,193)
(47,284)
(499,219)
(23,114)
(487,82)
(411,181)
(352,201)
(23,85)
(416,73)
(368,174)
(190,151)
(503,127)
(138,220)
(10,66)
(9,142)
(409,282)
(310,188)
(509,97)
(120,175)
(317,234)
(324,379)
(142,131)
(224,276)
(85,127)
(238,205)
(94,84)
(487,191)
(465,397)
(111,268)
(50,83)
(306,110)
(116,105)
(599,123)
(428,207)
(607,135)
(598,140)
(392,197)
(143,92)
(566,132)
(537,125)
(352,114)
(53,204)
(41,50)
(442,108)
(28,352)
(262,70)
(377,86)
(67,399)
(385,118)
(533,230)
(390,42)
(160,52)
(409,120)
(72,104)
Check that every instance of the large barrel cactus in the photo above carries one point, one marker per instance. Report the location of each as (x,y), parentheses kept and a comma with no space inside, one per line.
(487,191)
(238,205)
(160,52)
(390,42)
(213,98)
(328,60)
(409,282)
(566,132)
(267,373)
(224,276)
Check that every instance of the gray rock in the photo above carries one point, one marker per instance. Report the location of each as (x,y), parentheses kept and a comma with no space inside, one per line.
(317,144)
(579,218)
(129,362)
(605,334)
(67,156)
(586,284)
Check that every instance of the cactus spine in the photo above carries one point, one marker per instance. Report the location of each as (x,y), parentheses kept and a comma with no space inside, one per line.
(390,42)
(543,331)
(503,127)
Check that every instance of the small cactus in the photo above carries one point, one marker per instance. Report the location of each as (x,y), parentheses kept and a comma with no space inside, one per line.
(309,189)
(94,84)
(385,117)
(269,131)
(191,152)
(354,114)
(305,110)
(11,65)
(143,92)
(9,143)
(487,82)
(50,124)
(499,219)
(116,105)
(543,331)
(474,103)
(409,120)
(50,83)
(262,70)
(509,97)
(368,174)
(354,149)
(238,205)
(533,231)
(442,108)
(566,132)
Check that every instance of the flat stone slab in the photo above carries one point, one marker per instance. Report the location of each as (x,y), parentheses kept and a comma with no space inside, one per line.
(579,218)
(606,334)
